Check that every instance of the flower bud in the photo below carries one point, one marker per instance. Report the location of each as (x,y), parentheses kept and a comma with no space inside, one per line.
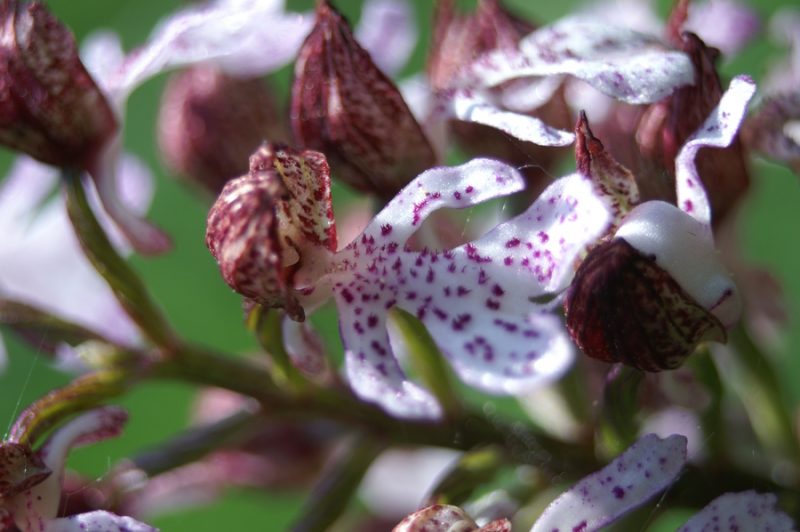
(650,295)
(345,107)
(210,122)
(242,235)
(262,224)
(50,108)
(459,39)
(666,125)
(446,518)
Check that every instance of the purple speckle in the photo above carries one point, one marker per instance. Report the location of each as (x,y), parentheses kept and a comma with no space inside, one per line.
(386,229)
(619,492)
(347,295)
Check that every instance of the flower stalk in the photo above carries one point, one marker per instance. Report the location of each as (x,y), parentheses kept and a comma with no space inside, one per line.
(126,285)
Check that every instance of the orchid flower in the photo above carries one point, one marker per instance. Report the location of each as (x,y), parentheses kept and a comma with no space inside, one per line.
(644,470)
(31,480)
(678,303)
(273,234)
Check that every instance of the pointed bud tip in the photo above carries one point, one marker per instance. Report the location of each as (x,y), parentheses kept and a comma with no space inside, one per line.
(51,108)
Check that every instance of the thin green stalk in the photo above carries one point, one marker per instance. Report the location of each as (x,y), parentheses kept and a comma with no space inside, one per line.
(197,442)
(126,285)
(428,361)
(762,394)
(338,484)
(266,325)
(82,394)
(465,431)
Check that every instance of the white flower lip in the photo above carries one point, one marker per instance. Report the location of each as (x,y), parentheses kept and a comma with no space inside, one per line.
(682,246)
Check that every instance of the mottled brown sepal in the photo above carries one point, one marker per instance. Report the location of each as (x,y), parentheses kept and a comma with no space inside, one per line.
(242,235)
(622,307)
(20,469)
(446,518)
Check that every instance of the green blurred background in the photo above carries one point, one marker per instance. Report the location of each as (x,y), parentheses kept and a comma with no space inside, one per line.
(187,285)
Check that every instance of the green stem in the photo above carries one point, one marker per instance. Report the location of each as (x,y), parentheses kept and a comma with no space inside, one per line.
(618,425)
(123,281)
(338,484)
(266,325)
(466,430)
(428,361)
(473,470)
(762,394)
(714,428)
(82,394)
(197,442)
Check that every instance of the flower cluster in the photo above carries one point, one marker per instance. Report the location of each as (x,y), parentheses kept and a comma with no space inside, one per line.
(593,299)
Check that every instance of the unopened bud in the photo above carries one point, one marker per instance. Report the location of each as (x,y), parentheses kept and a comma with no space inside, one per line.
(345,107)
(460,39)
(650,295)
(446,518)
(50,108)
(242,235)
(262,223)
(666,126)
(210,122)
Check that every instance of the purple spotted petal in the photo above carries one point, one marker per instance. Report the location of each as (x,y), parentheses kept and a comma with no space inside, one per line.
(99,521)
(538,248)
(645,469)
(475,299)
(372,369)
(387,31)
(718,131)
(245,37)
(456,187)
(472,106)
(740,511)
(626,65)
